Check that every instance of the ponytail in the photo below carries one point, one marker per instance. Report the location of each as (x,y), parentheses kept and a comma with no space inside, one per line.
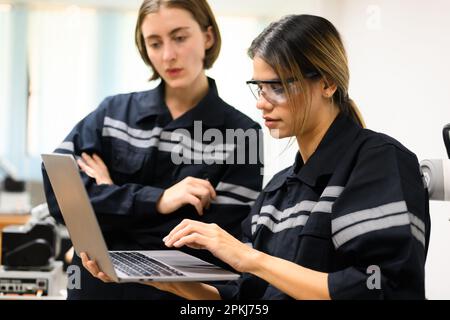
(348,106)
(354,113)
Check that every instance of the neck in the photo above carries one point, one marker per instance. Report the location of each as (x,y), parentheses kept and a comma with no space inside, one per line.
(309,140)
(181,100)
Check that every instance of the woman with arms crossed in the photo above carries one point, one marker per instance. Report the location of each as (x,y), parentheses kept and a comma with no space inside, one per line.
(130,146)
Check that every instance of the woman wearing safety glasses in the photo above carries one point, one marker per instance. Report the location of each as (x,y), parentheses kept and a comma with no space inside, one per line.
(349,219)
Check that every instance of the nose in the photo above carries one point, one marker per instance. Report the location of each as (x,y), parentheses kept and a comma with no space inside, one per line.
(169,53)
(263,105)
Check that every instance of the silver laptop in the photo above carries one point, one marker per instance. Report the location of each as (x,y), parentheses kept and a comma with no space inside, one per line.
(120,266)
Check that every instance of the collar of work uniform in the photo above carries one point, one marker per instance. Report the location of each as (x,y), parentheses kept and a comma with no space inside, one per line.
(323,161)
(209,110)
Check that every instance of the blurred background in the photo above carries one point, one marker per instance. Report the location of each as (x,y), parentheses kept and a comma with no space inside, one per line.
(60,59)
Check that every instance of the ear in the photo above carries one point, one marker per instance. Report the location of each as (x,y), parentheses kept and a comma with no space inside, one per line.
(209,38)
(328,88)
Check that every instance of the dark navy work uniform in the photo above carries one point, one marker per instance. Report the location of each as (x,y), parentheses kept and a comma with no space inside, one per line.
(146,152)
(357,210)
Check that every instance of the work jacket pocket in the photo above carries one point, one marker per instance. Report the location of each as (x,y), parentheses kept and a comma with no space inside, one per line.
(315,249)
(126,165)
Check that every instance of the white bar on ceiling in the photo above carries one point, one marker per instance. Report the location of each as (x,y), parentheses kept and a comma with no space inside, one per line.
(254,8)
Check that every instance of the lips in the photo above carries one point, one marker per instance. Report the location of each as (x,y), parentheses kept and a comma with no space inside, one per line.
(173,71)
(270,122)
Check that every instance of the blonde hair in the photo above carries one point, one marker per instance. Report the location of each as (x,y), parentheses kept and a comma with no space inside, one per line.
(201,12)
(298,46)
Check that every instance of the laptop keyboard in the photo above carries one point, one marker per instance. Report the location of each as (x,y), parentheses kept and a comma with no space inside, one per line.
(136,264)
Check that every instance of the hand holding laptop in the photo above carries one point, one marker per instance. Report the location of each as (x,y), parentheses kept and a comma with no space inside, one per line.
(187,290)
(119,266)
(198,235)
(93,268)
(95,271)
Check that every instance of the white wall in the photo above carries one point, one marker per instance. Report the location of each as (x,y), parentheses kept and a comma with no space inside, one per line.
(4,84)
(398,52)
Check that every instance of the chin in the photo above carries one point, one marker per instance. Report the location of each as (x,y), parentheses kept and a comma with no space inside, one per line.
(280,134)
(277,133)
(179,83)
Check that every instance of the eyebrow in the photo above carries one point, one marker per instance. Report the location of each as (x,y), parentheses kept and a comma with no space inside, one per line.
(174,31)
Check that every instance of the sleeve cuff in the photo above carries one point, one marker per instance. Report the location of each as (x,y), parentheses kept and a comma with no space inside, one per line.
(351,284)
(146,199)
(228,291)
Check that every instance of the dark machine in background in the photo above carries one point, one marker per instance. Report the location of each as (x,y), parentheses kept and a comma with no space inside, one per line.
(35,245)
(446,136)
(33,256)
(31,246)
(436,172)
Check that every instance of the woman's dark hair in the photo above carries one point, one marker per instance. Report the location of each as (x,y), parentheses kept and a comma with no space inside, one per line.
(201,12)
(298,45)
